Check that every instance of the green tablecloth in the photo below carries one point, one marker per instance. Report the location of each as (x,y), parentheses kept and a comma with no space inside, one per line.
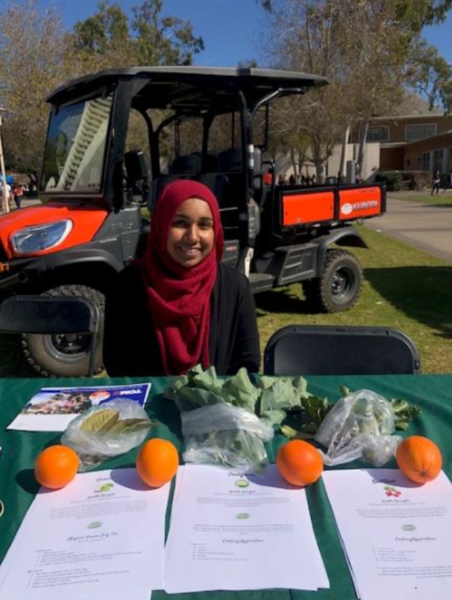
(433,393)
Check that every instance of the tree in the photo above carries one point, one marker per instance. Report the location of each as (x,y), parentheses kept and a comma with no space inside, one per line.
(323,37)
(32,49)
(112,38)
(168,40)
(363,47)
(430,75)
(37,54)
(105,33)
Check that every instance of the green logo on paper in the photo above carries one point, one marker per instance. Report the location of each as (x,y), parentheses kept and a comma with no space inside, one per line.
(104,488)
(408,527)
(95,525)
(242,483)
(242,516)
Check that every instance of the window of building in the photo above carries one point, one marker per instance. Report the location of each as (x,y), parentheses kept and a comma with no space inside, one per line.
(438,159)
(419,131)
(425,161)
(449,160)
(378,133)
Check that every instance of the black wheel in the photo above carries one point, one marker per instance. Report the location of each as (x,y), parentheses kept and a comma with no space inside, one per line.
(339,286)
(65,355)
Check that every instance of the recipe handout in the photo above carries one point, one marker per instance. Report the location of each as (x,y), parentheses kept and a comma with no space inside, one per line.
(240,531)
(52,409)
(102,536)
(397,534)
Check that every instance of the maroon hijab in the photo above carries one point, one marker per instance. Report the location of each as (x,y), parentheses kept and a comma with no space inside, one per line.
(179,297)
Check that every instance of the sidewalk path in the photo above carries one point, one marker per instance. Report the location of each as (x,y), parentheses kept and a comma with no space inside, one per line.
(423,226)
(26,202)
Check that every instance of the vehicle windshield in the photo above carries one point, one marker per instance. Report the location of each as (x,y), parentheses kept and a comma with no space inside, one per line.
(75,149)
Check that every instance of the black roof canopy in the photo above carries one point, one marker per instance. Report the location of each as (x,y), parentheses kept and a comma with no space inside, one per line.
(191,88)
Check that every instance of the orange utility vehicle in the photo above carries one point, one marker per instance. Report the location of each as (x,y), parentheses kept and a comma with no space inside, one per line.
(116,138)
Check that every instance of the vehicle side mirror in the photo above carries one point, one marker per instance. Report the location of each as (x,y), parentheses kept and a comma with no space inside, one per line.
(136,166)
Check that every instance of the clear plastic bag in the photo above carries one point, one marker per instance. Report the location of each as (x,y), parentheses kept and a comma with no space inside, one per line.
(225,434)
(360,425)
(93,447)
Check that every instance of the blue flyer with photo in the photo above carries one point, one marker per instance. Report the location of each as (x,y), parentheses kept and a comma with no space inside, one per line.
(52,409)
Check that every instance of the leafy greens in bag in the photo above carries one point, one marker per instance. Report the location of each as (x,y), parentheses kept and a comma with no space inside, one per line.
(281,403)
(360,425)
(218,419)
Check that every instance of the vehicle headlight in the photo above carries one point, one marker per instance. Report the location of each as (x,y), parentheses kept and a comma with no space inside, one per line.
(40,237)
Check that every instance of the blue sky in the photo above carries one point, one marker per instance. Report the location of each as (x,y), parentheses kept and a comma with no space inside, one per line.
(441,37)
(232,30)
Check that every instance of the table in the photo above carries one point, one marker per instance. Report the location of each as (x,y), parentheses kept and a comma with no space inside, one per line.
(433,393)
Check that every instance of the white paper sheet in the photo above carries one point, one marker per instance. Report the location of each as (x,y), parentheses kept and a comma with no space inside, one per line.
(102,536)
(397,534)
(235,531)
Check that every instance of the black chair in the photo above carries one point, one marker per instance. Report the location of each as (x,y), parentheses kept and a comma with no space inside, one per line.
(49,315)
(331,350)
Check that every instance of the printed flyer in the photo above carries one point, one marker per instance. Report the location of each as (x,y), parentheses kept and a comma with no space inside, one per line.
(240,531)
(81,541)
(396,533)
(52,409)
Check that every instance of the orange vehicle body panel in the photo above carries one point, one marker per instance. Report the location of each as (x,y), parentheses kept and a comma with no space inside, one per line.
(307,208)
(361,202)
(86,220)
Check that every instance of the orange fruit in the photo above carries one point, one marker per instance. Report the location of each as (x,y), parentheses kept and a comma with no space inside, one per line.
(299,463)
(157,462)
(56,466)
(419,459)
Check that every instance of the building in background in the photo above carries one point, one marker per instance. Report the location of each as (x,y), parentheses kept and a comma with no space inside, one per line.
(412,142)
(417,139)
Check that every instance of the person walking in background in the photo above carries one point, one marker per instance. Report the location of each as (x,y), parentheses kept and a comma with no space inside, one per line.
(436,182)
(18,194)
(7,203)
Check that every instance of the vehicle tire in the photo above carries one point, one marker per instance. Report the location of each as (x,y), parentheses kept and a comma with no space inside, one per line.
(66,355)
(339,286)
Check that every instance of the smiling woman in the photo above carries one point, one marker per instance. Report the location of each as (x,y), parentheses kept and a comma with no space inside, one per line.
(191,236)
(179,305)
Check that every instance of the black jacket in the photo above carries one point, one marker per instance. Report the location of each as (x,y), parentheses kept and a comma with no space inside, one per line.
(130,343)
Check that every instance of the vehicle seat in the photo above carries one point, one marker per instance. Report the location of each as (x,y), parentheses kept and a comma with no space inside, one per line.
(210,164)
(217,183)
(230,161)
(157,187)
(186,164)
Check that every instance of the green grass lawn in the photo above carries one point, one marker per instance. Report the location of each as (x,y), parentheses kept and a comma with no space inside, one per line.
(403,288)
(425,197)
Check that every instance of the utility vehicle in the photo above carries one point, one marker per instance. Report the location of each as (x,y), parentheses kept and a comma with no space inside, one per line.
(116,138)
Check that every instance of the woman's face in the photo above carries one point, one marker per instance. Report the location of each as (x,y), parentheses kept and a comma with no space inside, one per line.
(191,235)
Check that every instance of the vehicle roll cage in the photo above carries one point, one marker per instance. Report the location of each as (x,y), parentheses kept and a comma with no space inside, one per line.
(188,91)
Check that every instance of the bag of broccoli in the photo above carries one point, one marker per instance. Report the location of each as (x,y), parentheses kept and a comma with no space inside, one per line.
(360,425)
(225,434)
(219,423)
